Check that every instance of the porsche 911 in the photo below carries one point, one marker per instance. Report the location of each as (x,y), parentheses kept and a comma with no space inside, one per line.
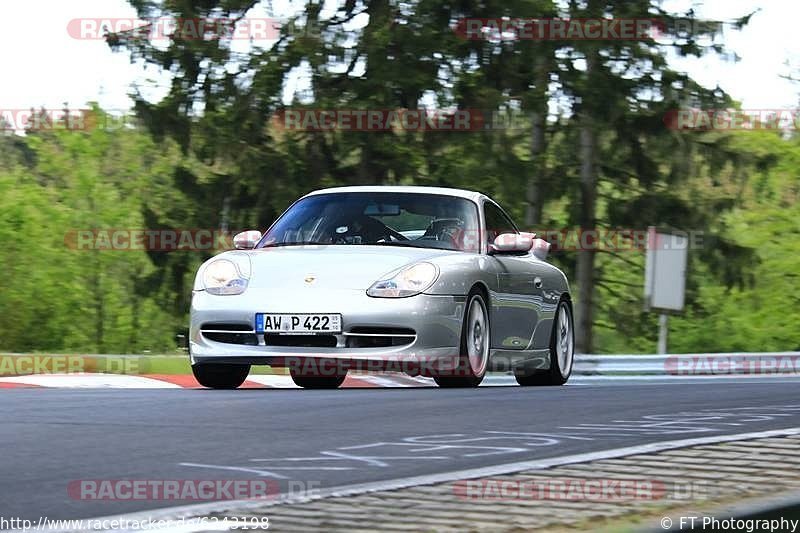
(427,281)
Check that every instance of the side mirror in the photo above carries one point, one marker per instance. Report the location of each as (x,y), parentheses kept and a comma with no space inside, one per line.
(540,247)
(246,240)
(511,243)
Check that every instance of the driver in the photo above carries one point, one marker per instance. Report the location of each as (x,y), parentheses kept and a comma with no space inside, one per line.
(359,229)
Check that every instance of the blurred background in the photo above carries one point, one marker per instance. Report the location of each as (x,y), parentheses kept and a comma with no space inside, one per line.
(182,131)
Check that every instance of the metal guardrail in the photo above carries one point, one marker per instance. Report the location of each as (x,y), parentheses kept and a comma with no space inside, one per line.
(708,364)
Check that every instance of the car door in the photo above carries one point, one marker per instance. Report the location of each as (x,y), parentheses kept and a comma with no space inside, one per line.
(517,303)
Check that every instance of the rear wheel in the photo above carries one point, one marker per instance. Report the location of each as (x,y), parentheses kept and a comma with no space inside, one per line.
(220,376)
(562,352)
(474,358)
(317,382)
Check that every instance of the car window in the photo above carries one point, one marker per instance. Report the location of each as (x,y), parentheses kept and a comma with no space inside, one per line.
(412,225)
(364,218)
(497,222)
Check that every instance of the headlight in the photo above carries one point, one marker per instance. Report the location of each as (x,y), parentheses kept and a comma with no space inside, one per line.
(408,282)
(225,277)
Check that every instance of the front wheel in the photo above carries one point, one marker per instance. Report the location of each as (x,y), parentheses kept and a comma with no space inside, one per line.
(475,345)
(220,376)
(562,352)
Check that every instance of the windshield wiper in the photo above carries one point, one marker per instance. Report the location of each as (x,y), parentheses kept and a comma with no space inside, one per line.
(299,243)
(409,243)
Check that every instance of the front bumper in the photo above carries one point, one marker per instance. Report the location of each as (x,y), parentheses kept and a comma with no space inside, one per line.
(435,320)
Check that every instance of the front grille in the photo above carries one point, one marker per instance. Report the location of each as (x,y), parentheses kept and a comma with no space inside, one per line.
(359,337)
(301,341)
(230,333)
(377,337)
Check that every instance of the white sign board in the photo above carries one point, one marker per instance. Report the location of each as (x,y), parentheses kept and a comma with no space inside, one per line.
(665,271)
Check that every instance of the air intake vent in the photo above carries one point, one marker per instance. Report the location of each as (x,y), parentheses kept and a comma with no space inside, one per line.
(230,333)
(378,337)
(301,341)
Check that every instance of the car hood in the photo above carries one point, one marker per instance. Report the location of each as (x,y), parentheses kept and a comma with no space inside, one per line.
(334,267)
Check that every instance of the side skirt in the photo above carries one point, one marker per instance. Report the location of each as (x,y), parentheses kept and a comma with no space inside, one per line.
(507,360)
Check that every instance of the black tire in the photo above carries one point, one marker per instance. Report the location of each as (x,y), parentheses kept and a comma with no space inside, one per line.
(554,375)
(317,382)
(464,376)
(219,375)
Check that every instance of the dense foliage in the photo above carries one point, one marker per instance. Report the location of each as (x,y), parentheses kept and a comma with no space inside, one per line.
(210,155)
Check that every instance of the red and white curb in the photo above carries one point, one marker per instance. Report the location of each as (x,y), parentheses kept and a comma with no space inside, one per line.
(165,381)
(353,381)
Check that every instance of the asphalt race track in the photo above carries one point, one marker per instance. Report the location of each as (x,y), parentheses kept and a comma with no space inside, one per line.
(50,437)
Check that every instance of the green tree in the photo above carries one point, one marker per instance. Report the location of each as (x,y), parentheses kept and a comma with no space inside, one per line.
(607,161)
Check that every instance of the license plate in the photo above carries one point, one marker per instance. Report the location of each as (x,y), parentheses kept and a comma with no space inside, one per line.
(298,323)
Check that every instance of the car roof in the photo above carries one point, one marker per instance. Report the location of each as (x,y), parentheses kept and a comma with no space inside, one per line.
(418,189)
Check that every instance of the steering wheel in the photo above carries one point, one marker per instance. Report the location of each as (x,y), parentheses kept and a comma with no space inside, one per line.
(374,230)
(443,229)
(396,234)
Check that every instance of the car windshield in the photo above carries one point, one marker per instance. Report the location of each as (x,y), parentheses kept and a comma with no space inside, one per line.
(377,218)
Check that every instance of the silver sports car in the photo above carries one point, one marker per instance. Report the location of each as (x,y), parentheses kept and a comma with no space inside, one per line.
(427,281)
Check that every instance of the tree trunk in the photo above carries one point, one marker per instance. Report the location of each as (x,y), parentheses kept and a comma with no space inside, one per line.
(585,262)
(99,305)
(533,193)
(533,211)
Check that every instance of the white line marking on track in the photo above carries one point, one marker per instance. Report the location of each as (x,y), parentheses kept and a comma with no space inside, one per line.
(257,471)
(91,381)
(233,507)
(276,381)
